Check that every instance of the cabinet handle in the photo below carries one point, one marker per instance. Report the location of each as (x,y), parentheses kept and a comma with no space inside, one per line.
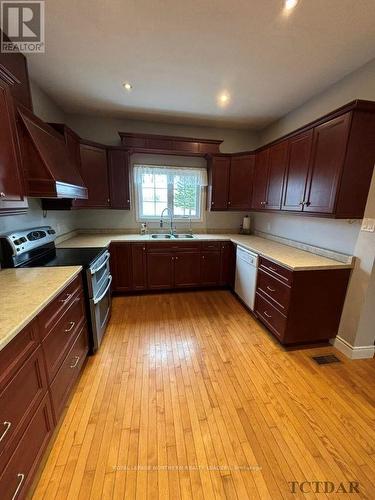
(144,248)
(176,258)
(212,203)
(71,326)
(20,481)
(2,195)
(272,269)
(271,289)
(76,362)
(67,297)
(203,257)
(266,314)
(7,425)
(229,202)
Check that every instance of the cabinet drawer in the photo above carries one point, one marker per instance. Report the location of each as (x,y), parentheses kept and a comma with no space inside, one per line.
(208,246)
(60,338)
(51,314)
(68,372)
(17,352)
(187,246)
(18,402)
(277,292)
(276,270)
(18,474)
(165,246)
(270,316)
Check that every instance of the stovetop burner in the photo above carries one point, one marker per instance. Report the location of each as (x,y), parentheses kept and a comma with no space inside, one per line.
(66,257)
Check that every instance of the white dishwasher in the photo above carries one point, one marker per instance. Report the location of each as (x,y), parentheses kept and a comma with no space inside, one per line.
(246,276)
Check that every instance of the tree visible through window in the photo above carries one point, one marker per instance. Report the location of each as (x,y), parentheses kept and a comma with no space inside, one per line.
(160,187)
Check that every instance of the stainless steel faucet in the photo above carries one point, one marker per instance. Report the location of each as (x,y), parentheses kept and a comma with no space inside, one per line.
(170,214)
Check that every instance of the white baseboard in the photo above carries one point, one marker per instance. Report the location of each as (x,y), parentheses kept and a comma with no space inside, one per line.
(353,352)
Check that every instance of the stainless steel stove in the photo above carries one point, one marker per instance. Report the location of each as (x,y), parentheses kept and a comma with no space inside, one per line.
(35,247)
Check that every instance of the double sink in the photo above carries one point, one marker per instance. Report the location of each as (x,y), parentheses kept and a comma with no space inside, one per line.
(170,236)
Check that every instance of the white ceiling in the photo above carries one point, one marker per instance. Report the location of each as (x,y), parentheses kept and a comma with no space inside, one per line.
(179,55)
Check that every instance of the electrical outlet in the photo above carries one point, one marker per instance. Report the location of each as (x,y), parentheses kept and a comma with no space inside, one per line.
(368,225)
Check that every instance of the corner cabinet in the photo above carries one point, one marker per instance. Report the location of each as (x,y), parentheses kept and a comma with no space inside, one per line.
(12,195)
(118,174)
(325,169)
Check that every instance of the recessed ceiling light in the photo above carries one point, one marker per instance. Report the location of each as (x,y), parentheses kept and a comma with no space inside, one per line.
(290,4)
(223,99)
(127,86)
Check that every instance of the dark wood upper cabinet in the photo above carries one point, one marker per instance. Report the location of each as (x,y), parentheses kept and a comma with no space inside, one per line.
(259,199)
(327,159)
(218,184)
(276,170)
(12,199)
(94,171)
(241,182)
(296,172)
(14,72)
(118,173)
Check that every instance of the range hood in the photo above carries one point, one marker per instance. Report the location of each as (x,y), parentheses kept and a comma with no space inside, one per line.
(48,170)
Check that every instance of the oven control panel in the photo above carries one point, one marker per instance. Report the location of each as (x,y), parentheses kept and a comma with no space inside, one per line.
(25,240)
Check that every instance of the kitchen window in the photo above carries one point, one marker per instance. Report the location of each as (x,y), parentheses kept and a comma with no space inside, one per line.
(177,188)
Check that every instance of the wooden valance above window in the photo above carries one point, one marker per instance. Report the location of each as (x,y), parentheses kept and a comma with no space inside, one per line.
(168,144)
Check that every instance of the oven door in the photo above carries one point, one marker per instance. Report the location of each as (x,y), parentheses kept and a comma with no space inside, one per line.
(100,309)
(97,274)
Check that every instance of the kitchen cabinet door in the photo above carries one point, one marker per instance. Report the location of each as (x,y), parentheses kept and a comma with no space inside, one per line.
(139,263)
(227,264)
(241,182)
(297,172)
(210,268)
(121,266)
(94,171)
(327,160)
(276,169)
(187,269)
(259,198)
(160,271)
(118,173)
(219,172)
(12,199)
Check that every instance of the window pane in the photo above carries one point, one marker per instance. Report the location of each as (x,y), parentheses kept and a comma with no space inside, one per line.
(161,181)
(159,207)
(148,180)
(148,194)
(148,208)
(161,195)
(185,196)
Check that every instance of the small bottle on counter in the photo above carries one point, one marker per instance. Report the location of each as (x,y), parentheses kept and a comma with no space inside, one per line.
(144,229)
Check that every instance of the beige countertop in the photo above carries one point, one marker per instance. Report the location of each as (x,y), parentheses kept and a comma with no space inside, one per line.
(25,292)
(288,256)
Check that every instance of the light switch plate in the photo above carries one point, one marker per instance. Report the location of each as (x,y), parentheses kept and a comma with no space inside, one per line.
(368,225)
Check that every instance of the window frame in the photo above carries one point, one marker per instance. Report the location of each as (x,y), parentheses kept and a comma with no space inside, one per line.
(138,198)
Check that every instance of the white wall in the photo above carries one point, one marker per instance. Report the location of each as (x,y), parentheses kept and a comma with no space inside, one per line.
(63,222)
(327,233)
(105,130)
(358,319)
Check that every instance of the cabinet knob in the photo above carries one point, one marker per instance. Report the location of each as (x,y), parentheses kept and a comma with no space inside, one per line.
(176,258)
(2,195)
(228,202)
(212,203)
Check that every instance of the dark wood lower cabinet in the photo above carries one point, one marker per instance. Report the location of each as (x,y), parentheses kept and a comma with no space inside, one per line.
(160,271)
(210,268)
(38,369)
(169,265)
(18,474)
(187,269)
(300,306)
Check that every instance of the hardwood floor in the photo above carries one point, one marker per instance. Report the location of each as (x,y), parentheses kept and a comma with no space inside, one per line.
(189,397)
